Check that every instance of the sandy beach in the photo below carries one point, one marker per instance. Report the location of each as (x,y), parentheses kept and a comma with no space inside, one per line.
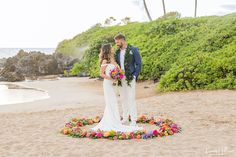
(207,118)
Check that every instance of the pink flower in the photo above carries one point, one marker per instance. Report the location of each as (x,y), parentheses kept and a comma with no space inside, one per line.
(79,124)
(88,135)
(94,134)
(75,130)
(99,135)
(162,129)
(155,132)
(131,135)
(175,130)
(121,76)
(173,125)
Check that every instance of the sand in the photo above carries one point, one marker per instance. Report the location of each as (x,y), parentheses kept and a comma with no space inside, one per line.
(208,120)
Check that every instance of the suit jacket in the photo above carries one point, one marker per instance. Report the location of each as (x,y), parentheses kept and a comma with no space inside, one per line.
(135,62)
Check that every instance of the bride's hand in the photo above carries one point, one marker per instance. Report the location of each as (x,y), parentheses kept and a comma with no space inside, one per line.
(114,82)
(117,66)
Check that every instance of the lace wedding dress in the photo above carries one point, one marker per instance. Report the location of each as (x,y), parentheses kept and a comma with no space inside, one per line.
(111,117)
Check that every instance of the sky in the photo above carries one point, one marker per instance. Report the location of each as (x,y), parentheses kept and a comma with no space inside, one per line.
(44,23)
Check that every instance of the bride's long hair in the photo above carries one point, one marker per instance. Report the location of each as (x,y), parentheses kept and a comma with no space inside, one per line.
(106,53)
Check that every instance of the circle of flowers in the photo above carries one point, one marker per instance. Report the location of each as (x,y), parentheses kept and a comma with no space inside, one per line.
(74,128)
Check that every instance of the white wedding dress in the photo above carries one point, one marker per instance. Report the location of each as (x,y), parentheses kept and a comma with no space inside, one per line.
(111,117)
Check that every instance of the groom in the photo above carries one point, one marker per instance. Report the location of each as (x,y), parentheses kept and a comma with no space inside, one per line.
(129,60)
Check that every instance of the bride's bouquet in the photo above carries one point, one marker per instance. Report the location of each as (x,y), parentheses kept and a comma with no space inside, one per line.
(117,74)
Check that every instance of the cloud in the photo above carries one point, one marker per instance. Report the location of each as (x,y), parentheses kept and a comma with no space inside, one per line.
(136,2)
(220,13)
(231,7)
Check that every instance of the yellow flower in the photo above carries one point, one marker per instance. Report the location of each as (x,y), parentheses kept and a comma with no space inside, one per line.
(112,133)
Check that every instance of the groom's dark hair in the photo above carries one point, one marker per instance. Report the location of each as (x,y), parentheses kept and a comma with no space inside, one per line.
(119,36)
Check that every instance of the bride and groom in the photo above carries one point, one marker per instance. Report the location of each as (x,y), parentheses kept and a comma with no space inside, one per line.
(128,59)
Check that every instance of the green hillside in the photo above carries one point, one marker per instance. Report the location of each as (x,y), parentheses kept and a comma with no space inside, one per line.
(182,54)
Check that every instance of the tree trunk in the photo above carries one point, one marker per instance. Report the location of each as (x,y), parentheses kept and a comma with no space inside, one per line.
(164,7)
(146,9)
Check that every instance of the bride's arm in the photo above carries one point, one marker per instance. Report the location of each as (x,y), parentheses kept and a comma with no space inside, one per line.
(103,70)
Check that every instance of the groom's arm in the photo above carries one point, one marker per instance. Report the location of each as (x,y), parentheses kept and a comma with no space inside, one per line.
(138,62)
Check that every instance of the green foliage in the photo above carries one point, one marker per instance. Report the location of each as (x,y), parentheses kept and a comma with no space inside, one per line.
(171,15)
(202,71)
(66,73)
(77,68)
(183,54)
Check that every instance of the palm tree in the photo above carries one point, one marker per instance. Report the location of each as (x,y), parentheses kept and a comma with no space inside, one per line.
(109,21)
(195,12)
(126,20)
(164,7)
(146,9)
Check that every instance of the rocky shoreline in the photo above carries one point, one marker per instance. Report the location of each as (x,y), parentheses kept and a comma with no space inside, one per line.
(34,65)
(2,62)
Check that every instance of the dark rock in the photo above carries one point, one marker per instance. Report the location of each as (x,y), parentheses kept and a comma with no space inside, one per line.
(2,62)
(34,64)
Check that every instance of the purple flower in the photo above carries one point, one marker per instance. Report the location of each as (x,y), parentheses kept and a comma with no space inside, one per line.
(150,133)
(144,136)
(159,122)
(69,125)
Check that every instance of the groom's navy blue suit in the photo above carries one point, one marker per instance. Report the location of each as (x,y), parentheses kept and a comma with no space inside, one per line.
(135,63)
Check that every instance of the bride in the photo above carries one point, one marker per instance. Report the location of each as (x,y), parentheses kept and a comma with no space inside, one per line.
(111,117)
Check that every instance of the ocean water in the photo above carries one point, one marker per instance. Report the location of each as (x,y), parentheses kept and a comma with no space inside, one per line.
(16,95)
(9,52)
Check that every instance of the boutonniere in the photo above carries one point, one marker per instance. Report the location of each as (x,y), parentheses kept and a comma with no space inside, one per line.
(130,52)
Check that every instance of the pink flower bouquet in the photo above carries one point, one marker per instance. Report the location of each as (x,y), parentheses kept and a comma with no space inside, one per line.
(117,74)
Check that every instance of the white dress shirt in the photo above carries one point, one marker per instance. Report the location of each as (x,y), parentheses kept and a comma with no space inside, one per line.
(122,59)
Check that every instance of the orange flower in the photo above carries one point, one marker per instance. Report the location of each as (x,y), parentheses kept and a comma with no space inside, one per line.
(65,131)
(138,136)
(90,122)
(152,122)
(74,120)
(84,133)
(106,134)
